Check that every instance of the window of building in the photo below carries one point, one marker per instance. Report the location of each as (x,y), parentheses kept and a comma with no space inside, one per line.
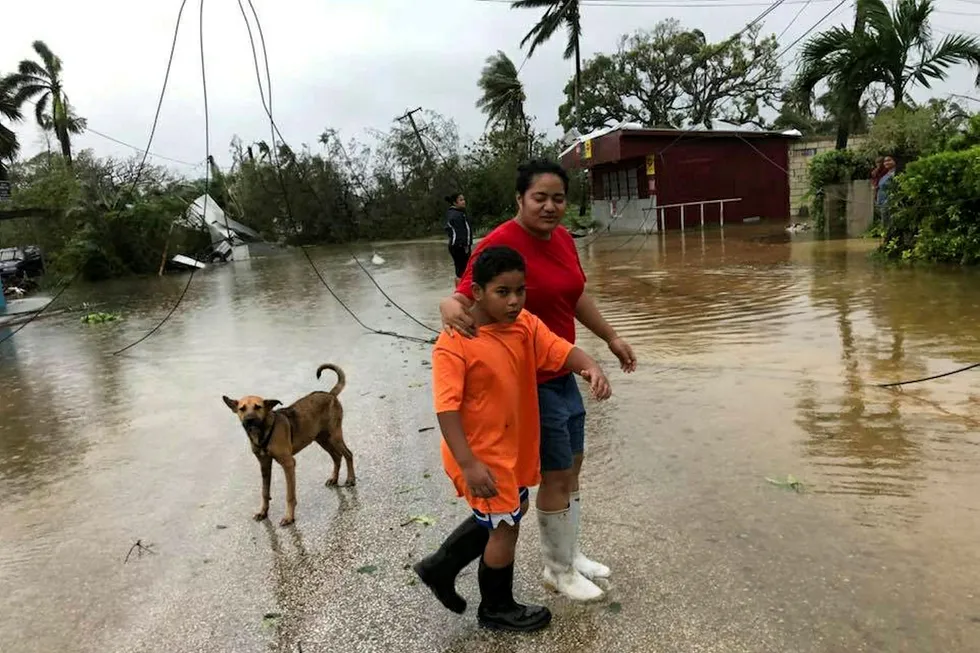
(621,184)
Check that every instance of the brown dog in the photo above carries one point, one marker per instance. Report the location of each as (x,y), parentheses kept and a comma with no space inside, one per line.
(281,434)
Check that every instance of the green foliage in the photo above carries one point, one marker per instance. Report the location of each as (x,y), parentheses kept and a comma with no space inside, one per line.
(9,111)
(968,137)
(42,85)
(670,77)
(906,133)
(97,222)
(88,229)
(935,210)
(829,168)
(502,95)
(892,47)
(100,318)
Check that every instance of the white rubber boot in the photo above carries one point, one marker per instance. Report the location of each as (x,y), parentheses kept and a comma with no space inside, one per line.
(588,568)
(556,549)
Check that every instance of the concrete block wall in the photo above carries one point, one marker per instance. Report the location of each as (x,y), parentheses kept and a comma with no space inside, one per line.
(800,154)
(849,209)
(634,216)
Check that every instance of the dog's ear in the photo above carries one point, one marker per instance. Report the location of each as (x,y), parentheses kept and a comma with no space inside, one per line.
(272,403)
(231,403)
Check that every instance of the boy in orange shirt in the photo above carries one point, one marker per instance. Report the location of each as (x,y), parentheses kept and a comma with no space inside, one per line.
(486,400)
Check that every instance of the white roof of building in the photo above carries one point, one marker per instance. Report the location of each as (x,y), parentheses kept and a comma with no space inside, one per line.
(632,126)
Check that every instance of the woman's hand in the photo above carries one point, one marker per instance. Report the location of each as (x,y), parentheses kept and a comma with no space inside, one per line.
(456,318)
(621,349)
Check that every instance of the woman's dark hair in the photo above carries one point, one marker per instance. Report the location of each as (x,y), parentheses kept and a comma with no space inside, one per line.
(527,172)
(451,199)
(495,261)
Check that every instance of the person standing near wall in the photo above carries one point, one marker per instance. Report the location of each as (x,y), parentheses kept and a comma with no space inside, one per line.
(881,190)
(877,172)
(460,233)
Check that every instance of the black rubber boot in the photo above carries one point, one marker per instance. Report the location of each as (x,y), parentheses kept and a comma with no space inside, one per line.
(439,570)
(498,609)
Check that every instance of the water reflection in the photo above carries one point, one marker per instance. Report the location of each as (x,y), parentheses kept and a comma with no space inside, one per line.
(758,350)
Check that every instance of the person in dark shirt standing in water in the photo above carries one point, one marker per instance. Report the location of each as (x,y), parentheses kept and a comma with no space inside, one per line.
(460,233)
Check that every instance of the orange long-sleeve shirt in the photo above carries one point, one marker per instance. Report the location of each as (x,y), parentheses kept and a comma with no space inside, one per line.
(491,380)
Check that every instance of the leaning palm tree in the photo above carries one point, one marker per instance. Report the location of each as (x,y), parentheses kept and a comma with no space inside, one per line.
(41,83)
(9,145)
(503,97)
(558,14)
(891,47)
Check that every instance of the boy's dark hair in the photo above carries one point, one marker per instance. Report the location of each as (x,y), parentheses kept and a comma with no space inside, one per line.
(494,261)
(527,172)
(451,199)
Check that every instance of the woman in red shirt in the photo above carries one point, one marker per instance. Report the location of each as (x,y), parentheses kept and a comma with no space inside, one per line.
(556,295)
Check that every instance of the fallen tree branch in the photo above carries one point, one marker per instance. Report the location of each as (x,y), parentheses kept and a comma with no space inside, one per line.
(139,547)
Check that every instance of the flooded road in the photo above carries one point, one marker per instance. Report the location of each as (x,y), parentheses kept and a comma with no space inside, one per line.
(759,354)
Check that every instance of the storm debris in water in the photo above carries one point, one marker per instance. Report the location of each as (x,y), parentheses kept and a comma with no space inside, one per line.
(100,318)
(791,483)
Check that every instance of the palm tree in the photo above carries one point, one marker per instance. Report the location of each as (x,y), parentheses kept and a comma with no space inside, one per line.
(903,34)
(558,14)
(503,97)
(9,146)
(891,47)
(41,83)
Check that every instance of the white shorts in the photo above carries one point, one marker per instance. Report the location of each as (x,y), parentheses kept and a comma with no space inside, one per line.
(494,519)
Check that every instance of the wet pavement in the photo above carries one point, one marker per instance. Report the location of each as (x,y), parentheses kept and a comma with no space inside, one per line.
(758,358)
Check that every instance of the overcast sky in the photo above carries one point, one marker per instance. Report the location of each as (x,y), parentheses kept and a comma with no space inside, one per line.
(347,64)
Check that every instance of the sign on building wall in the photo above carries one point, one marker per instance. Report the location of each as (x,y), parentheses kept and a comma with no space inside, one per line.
(587,149)
(651,165)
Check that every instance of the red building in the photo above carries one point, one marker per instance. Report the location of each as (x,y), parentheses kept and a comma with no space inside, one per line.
(729,174)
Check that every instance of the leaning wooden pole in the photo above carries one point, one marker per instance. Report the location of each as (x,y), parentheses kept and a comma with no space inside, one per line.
(166,247)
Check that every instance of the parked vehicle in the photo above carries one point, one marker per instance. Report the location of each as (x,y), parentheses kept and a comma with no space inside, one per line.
(21,262)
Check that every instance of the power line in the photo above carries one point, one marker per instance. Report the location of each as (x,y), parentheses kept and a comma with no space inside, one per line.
(275,156)
(78,272)
(692,130)
(812,27)
(795,18)
(207,177)
(141,150)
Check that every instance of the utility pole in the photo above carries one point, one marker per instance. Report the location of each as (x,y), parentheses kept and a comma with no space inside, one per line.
(410,115)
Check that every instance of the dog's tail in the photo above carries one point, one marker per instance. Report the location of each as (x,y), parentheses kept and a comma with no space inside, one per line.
(341,378)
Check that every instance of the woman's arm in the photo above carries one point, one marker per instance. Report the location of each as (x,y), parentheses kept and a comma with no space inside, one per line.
(588,314)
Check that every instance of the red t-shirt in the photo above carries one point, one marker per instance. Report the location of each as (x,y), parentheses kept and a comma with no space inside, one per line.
(555,278)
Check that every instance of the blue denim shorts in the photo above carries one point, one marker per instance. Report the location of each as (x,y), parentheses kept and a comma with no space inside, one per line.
(562,422)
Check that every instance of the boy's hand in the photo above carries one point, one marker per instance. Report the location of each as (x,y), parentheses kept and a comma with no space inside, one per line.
(598,382)
(479,479)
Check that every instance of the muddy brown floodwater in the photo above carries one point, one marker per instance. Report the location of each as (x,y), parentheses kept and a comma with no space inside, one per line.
(758,356)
